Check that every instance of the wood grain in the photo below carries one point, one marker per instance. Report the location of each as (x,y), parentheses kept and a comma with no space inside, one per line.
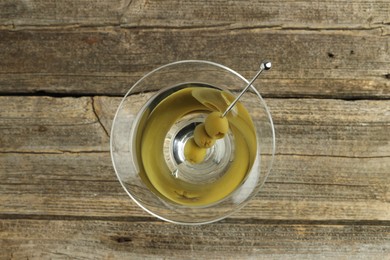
(303,126)
(348,180)
(17,13)
(298,188)
(36,124)
(299,14)
(349,65)
(355,14)
(145,239)
(64,66)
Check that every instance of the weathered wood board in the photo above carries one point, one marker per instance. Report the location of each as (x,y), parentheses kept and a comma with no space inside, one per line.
(118,239)
(299,188)
(110,60)
(337,14)
(64,66)
(55,151)
(303,126)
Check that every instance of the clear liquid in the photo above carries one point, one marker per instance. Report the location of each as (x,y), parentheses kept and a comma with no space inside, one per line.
(163,127)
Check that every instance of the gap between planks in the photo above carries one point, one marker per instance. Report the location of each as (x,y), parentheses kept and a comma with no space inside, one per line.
(230,220)
(376,28)
(59,152)
(277,96)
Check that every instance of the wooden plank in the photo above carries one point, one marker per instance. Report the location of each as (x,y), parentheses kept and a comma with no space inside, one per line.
(346,64)
(356,14)
(66,169)
(303,126)
(301,14)
(36,124)
(22,239)
(298,188)
(341,128)
(62,184)
(17,13)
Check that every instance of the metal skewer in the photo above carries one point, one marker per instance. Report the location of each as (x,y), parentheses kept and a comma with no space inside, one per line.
(266,65)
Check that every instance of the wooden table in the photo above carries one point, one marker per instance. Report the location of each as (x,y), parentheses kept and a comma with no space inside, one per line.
(64,66)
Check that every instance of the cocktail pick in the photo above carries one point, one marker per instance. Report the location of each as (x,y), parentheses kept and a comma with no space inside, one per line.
(266,65)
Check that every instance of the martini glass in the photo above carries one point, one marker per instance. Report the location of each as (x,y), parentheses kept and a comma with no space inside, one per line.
(157,118)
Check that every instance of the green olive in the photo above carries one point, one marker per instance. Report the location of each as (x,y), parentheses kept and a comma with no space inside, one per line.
(193,153)
(202,139)
(216,126)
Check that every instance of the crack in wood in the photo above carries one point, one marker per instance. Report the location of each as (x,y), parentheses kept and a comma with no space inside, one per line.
(80,217)
(122,239)
(277,154)
(318,184)
(125,9)
(52,152)
(332,156)
(222,26)
(98,118)
(265,95)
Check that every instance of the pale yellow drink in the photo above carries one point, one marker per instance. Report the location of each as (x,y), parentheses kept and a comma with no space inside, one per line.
(152,130)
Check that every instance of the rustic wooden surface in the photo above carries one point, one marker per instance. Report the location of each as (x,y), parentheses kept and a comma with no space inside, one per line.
(64,66)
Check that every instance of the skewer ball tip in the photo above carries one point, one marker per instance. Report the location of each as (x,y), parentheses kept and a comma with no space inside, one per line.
(266,65)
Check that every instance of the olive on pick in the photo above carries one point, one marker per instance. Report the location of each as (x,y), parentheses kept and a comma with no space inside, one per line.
(216,126)
(202,139)
(193,153)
